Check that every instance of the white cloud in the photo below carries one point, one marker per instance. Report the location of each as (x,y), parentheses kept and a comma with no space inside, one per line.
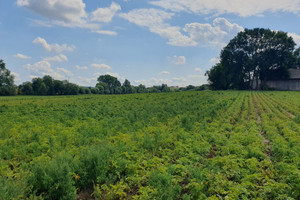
(195,76)
(86,81)
(152,81)
(70,13)
(105,32)
(101,66)
(179,60)
(22,3)
(17,77)
(65,71)
(81,68)
(218,34)
(164,73)
(53,47)
(115,75)
(67,12)
(175,81)
(154,19)
(296,38)
(218,7)
(193,34)
(120,78)
(198,69)
(214,60)
(59,58)
(21,56)
(105,15)
(43,68)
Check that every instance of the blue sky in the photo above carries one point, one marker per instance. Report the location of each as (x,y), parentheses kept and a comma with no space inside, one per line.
(145,41)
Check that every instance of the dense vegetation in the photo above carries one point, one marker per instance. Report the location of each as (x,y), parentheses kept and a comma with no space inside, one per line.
(191,145)
(254,55)
(6,81)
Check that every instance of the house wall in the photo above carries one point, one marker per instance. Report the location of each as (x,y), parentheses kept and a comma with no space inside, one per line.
(284,85)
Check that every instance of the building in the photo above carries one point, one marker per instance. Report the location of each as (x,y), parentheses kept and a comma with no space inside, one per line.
(293,83)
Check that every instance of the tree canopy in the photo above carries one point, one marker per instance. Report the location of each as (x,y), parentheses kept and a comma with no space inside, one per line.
(6,81)
(109,83)
(252,55)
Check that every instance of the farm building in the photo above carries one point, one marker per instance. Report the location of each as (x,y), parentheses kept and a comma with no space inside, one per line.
(293,83)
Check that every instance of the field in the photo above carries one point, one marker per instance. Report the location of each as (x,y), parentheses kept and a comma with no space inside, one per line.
(187,145)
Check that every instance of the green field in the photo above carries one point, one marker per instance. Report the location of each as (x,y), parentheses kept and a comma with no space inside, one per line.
(187,145)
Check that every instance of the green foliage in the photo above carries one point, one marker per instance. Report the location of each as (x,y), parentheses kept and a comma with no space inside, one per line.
(6,81)
(53,179)
(184,145)
(252,55)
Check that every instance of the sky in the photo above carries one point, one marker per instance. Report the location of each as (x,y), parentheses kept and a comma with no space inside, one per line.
(148,42)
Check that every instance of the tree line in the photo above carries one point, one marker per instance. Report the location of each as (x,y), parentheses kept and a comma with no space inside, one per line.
(253,57)
(47,85)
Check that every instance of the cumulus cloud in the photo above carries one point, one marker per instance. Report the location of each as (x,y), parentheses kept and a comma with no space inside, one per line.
(17,77)
(296,38)
(154,19)
(101,66)
(105,15)
(193,34)
(106,32)
(86,81)
(66,12)
(214,60)
(21,56)
(53,47)
(198,69)
(218,7)
(118,76)
(179,60)
(69,13)
(65,71)
(181,81)
(164,73)
(218,34)
(81,68)
(59,58)
(43,68)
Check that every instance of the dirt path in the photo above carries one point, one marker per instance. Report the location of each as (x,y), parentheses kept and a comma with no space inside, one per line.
(262,134)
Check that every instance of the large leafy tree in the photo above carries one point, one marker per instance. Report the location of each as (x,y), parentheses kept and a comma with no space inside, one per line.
(6,81)
(112,83)
(256,54)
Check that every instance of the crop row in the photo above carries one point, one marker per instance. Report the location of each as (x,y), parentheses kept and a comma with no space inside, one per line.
(191,145)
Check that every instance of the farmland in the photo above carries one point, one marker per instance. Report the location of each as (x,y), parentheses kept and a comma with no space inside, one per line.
(187,145)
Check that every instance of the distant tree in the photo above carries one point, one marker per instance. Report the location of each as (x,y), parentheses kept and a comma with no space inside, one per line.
(42,89)
(87,91)
(81,90)
(141,89)
(118,90)
(103,88)
(154,89)
(71,88)
(49,82)
(297,57)
(36,84)
(95,90)
(112,82)
(6,81)
(59,87)
(257,54)
(126,87)
(164,88)
(190,87)
(26,88)
(218,78)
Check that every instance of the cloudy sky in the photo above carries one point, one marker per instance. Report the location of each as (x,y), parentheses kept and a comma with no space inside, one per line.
(146,41)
